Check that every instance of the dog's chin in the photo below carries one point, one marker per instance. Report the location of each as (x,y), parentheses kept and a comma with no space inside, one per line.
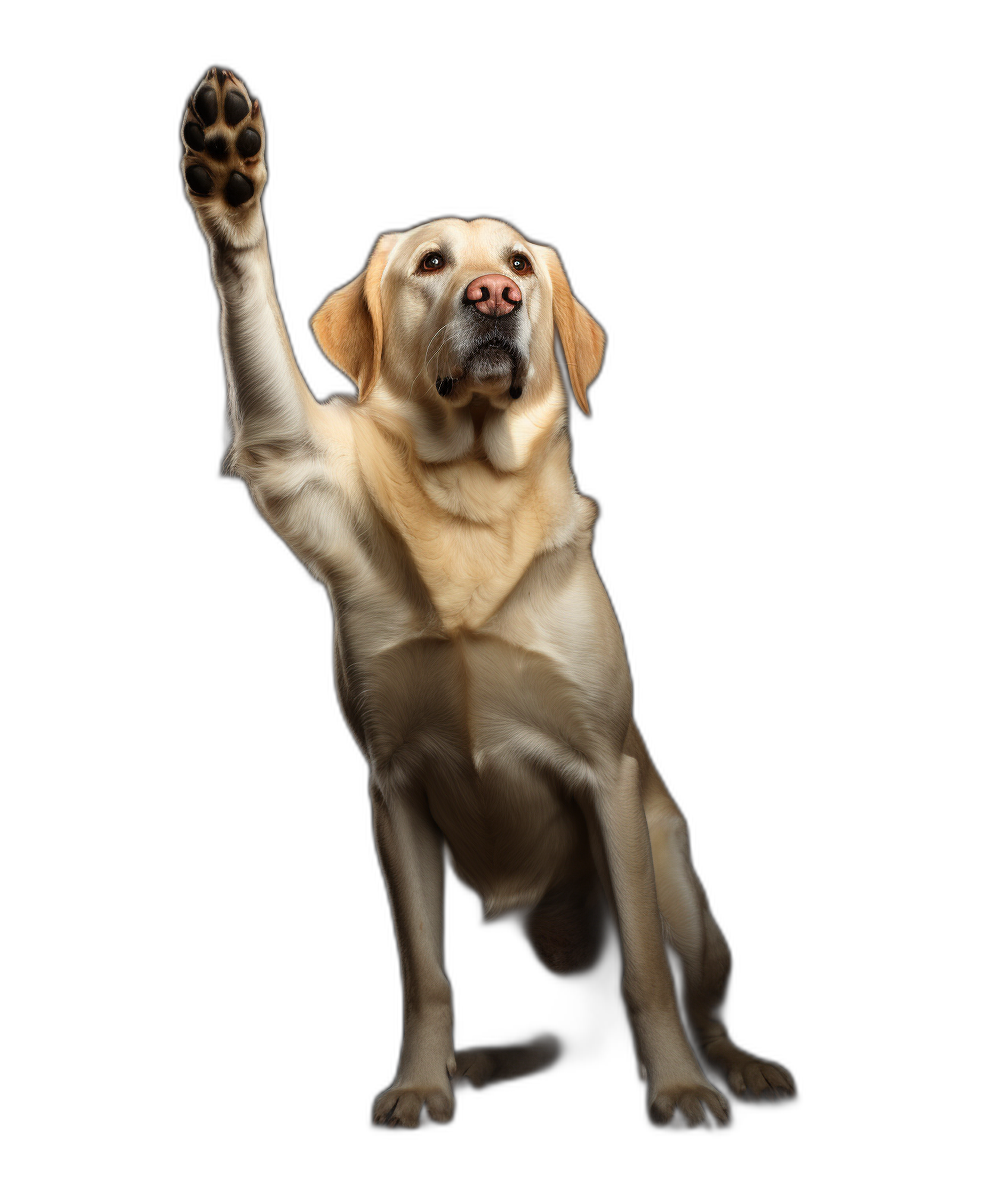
(495,370)
(495,373)
(490,369)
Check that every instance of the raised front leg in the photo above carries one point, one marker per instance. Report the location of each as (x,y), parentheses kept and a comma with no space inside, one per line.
(225,172)
(623,856)
(410,848)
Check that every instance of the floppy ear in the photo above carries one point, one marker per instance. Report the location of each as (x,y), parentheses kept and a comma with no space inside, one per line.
(348,326)
(581,336)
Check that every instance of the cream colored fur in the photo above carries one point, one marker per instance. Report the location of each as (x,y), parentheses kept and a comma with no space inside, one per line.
(479,661)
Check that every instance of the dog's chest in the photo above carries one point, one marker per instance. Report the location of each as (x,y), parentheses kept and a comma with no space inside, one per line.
(467,569)
(470,535)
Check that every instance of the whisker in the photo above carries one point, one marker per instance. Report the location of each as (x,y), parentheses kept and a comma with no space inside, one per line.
(426,352)
(448,339)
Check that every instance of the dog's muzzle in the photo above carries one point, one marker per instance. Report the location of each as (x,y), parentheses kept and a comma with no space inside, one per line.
(487,350)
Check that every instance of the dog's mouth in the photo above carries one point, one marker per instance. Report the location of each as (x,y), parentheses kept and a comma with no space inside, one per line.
(491,354)
(493,364)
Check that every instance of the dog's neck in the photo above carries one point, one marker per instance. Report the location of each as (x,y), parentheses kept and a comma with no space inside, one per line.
(506,440)
(481,468)
(474,509)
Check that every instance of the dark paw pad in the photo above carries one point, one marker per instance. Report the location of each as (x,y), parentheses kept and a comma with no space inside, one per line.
(198,179)
(217,147)
(248,143)
(235,107)
(205,104)
(193,136)
(238,189)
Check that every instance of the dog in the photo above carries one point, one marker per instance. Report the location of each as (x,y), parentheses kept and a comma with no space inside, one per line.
(479,662)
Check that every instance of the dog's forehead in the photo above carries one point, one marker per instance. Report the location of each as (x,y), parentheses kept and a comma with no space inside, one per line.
(467,241)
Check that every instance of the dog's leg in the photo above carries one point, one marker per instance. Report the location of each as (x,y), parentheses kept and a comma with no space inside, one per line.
(225,172)
(696,937)
(622,852)
(410,848)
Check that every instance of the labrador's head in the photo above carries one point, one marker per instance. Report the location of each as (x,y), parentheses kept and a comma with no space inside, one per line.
(454,313)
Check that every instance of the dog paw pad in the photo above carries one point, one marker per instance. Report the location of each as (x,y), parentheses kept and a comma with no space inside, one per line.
(198,179)
(238,189)
(193,136)
(235,107)
(205,104)
(217,147)
(248,143)
(223,160)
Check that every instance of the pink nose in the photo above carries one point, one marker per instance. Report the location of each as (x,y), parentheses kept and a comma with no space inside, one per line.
(493,295)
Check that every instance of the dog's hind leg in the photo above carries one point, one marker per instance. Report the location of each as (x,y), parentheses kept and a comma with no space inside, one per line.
(566,929)
(570,931)
(694,934)
(481,1067)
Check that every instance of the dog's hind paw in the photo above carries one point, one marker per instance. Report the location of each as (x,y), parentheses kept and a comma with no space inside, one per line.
(224,160)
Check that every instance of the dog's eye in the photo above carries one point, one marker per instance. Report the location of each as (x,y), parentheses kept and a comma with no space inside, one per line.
(432,261)
(520,262)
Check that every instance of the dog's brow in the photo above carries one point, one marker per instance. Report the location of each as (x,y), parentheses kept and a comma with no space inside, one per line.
(410,260)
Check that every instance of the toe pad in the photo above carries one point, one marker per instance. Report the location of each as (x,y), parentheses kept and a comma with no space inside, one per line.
(199,179)
(248,143)
(238,189)
(205,104)
(235,107)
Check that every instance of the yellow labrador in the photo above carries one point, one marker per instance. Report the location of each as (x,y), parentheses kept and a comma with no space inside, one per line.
(478,659)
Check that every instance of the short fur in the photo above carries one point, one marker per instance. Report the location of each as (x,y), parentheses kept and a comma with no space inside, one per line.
(478,660)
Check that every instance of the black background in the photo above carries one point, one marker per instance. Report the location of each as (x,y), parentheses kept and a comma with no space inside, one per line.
(691,211)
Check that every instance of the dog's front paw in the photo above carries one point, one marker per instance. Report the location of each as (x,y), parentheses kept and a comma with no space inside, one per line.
(689,1100)
(401,1103)
(224,161)
(748,1076)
